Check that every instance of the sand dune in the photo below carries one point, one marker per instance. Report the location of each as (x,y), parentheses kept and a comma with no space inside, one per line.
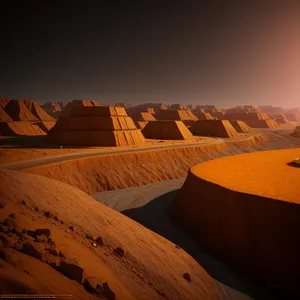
(145,270)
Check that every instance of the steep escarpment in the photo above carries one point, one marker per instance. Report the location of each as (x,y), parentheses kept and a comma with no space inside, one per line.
(133,169)
(245,210)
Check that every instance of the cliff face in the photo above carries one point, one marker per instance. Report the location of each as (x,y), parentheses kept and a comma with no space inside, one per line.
(246,226)
(133,169)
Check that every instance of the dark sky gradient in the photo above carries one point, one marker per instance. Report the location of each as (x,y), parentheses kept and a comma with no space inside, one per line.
(222,52)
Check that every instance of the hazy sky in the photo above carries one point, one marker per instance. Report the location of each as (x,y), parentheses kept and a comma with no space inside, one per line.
(222,52)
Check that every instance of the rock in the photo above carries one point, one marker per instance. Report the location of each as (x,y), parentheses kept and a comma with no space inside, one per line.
(33,249)
(37,209)
(99,241)
(5,240)
(45,231)
(18,245)
(9,223)
(18,230)
(187,277)
(41,239)
(2,205)
(62,222)
(13,216)
(161,293)
(4,229)
(23,202)
(107,292)
(49,214)
(72,269)
(31,233)
(119,252)
(53,252)
(71,227)
(56,218)
(61,254)
(27,238)
(91,284)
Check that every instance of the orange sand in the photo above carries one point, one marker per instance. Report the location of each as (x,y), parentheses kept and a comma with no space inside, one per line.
(151,265)
(20,128)
(245,209)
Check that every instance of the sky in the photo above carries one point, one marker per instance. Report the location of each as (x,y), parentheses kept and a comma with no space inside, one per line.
(214,52)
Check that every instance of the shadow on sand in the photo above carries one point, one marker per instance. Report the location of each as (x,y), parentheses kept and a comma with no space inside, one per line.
(155,217)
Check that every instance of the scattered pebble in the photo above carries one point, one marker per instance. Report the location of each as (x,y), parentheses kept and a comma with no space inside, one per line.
(24,202)
(13,216)
(33,249)
(71,269)
(187,277)
(49,214)
(99,241)
(107,292)
(2,205)
(119,252)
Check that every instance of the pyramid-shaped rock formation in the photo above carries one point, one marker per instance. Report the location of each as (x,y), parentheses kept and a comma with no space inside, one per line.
(166,130)
(177,106)
(280,118)
(214,128)
(291,117)
(175,115)
(4,117)
(54,109)
(78,103)
(240,126)
(4,101)
(142,117)
(20,128)
(140,124)
(96,126)
(18,111)
(296,133)
(37,111)
(253,119)
(202,115)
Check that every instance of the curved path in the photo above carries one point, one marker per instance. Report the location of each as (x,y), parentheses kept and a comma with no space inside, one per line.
(54,159)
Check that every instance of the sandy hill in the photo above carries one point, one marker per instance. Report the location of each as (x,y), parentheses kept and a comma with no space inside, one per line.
(240,126)
(4,117)
(18,111)
(252,119)
(4,102)
(20,128)
(97,126)
(214,128)
(134,111)
(166,130)
(224,203)
(37,111)
(64,242)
